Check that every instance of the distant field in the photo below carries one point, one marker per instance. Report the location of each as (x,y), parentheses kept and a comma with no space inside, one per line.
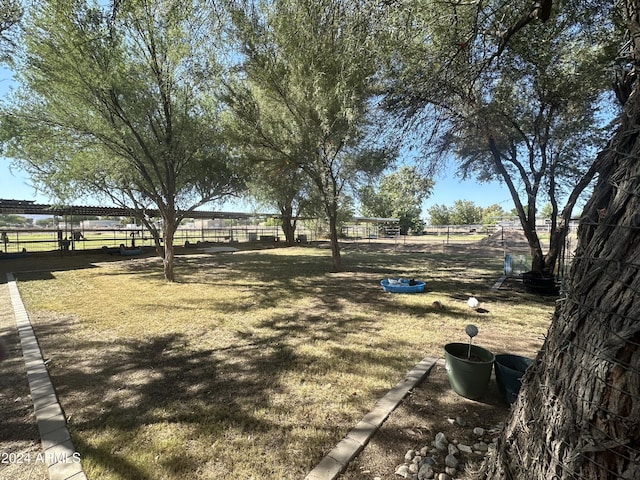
(48,240)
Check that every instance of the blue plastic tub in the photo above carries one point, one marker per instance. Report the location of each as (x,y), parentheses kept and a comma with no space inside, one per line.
(402,286)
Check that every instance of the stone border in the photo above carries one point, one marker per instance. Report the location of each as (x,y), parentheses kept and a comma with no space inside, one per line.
(337,460)
(63,462)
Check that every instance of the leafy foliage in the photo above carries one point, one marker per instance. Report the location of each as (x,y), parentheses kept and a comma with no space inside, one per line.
(303,98)
(120,103)
(463,212)
(439,215)
(10,15)
(518,105)
(492,214)
(10,220)
(399,195)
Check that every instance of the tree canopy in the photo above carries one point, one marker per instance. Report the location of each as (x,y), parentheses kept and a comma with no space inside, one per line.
(399,194)
(120,102)
(462,212)
(12,220)
(307,101)
(528,115)
(10,15)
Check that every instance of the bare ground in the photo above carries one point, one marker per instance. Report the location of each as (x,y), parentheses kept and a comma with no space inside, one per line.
(430,408)
(19,438)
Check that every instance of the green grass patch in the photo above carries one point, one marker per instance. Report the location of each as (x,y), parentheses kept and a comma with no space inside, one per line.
(252,365)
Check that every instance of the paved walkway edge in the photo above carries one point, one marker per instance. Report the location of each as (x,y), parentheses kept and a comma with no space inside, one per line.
(337,460)
(63,462)
(499,283)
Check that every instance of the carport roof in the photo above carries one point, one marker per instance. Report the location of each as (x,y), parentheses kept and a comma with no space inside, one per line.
(28,207)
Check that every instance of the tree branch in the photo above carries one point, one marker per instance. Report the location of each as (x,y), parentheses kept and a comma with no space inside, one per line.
(541,10)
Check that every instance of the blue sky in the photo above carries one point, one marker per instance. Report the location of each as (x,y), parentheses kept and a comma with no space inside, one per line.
(449,188)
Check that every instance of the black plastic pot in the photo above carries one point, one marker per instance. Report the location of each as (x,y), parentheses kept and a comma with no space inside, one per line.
(509,371)
(540,283)
(468,377)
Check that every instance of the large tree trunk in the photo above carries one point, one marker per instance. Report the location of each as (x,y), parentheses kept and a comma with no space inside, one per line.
(289,230)
(527,218)
(330,203)
(169,230)
(288,223)
(336,258)
(168,258)
(537,257)
(578,412)
(557,238)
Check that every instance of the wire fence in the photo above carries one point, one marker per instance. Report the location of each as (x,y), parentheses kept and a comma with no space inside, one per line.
(16,240)
(43,240)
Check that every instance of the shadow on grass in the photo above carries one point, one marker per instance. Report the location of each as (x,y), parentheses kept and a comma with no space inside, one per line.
(120,391)
(269,279)
(135,385)
(42,265)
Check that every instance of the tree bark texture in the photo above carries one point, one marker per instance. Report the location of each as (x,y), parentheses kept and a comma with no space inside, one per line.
(169,230)
(289,230)
(288,224)
(336,258)
(578,413)
(168,259)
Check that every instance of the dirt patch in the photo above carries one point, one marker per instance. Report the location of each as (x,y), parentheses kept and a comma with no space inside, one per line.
(430,408)
(19,437)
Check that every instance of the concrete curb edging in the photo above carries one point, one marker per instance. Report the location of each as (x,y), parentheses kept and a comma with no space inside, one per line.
(352,444)
(499,282)
(63,462)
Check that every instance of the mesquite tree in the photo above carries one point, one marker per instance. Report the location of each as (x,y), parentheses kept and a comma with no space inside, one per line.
(398,194)
(578,410)
(10,16)
(118,101)
(525,112)
(308,96)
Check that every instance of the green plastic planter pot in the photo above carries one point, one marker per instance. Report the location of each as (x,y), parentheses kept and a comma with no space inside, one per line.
(468,378)
(509,371)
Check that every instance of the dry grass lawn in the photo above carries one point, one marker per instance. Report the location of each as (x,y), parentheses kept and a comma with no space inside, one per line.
(252,365)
